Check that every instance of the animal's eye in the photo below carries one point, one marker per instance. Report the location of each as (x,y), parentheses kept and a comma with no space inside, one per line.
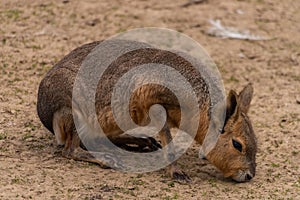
(237,145)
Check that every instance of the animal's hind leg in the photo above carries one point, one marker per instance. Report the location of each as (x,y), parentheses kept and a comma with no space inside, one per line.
(167,143)
(73,150)
(65,129)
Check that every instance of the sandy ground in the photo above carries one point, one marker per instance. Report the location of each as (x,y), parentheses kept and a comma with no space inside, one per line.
(34,35)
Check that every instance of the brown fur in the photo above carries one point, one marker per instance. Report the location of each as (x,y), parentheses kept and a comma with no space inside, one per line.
(55,109)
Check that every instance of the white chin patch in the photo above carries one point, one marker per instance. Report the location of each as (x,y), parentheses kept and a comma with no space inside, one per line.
(241,177)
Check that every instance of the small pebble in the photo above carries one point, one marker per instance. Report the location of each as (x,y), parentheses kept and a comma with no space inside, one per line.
(298,100)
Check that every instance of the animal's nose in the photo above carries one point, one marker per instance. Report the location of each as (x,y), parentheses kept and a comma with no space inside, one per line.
(249,177)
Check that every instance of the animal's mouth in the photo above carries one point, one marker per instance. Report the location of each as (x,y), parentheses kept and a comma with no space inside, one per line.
(242,176)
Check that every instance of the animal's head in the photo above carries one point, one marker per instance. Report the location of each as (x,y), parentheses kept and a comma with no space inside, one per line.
(235,151)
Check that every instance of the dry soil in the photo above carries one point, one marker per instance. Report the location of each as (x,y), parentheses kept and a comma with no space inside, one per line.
(34,35)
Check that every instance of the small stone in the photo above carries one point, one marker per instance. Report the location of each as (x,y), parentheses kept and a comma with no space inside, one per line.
(192,2)
(298,100)
(93,22)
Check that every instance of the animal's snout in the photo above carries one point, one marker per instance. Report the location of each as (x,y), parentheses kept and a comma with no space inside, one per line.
(250,173)
(249,177)
(243,176)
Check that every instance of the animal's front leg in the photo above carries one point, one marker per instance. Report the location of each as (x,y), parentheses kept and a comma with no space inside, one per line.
(169,151)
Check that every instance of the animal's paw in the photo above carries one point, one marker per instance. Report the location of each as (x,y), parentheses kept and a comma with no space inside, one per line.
(112,161)
(142,144)
(180,176)
(152,144)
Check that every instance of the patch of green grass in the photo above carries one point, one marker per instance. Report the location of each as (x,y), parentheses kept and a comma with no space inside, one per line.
(13,14)
(43,67)
(275,165)
(17,90)
(234,79)
(165,189)
(37,147)
(136,181)
(260,1)
(30,125)
(37,47)
(17,79)
(296,77)
(296,184)
(115,8)
(73,16)
(26,136)
(16,180)
(3,149)
(175,196)
(117,196)
(225,189)
(4,65)
(171,184)
(139,176)
(121,30)
(33,66)
(212,182)
(277,175)
(3,136)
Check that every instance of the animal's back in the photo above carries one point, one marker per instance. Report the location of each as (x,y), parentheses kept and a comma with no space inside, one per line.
(55,90)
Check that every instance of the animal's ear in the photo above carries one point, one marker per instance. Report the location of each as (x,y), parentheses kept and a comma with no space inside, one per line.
(245,98)
(231,104)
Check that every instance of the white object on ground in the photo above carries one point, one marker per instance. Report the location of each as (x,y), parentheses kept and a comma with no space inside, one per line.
(229,32)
